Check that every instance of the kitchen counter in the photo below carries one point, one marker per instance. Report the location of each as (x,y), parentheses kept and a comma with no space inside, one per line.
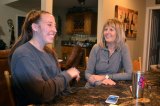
(96,96)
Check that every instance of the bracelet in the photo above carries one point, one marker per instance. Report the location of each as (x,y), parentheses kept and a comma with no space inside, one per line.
(107,76)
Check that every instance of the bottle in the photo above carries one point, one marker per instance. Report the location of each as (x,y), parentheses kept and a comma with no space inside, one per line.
(121,17)
(132,26)
(125,24)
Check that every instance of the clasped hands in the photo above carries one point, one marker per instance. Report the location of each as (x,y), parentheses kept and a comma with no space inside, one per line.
(74,73)
(102,79)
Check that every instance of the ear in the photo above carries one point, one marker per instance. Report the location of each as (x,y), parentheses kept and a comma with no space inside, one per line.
(35,27)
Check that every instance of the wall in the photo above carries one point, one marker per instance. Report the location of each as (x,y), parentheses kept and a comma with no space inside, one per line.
(8,13)
(151,3)
(106,10)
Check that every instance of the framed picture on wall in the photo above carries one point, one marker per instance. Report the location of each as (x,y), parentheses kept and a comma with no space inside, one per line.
(129,19)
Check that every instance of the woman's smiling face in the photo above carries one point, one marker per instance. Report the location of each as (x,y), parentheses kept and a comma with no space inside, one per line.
(46,28)
(109,34)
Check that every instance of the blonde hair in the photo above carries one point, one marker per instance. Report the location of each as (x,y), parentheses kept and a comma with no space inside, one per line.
(120,35)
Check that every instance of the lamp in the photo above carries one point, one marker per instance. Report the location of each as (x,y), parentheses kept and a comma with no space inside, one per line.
(82,2)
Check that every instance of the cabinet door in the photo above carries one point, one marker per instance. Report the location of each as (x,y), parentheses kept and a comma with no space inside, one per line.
(78,23)
(69,24)
(81,23)
(90,23)
(74,23)
(87,23)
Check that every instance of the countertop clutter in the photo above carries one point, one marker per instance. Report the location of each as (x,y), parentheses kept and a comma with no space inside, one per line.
(96,96)
(85,43)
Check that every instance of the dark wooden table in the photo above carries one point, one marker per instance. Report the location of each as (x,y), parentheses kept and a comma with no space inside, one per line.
(96,96)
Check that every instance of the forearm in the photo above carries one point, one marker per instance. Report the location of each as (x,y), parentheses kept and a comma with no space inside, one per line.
(120,76)
(55,86)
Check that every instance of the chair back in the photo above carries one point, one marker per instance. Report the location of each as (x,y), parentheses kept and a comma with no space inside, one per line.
(74,58)
(4,65)
(9,86)
(8,81)
(86,60)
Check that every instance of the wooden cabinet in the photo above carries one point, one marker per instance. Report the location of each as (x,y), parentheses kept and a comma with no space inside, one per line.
(81,23)
(69,24)
(66,51)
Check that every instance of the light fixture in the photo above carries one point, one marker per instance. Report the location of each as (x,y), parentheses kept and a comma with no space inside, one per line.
(82,2)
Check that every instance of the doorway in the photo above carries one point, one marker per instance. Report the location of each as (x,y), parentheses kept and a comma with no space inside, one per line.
(151,54)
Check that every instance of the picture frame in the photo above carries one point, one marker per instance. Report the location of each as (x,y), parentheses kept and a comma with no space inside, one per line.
(129,18)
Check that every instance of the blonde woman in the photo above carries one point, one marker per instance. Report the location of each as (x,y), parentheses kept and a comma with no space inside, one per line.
(108,58)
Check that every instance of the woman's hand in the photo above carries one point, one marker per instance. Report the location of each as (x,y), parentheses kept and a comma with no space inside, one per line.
(74,73)
(94,78)
(108,82)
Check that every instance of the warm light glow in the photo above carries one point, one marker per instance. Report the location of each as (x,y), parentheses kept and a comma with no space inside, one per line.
(82,2)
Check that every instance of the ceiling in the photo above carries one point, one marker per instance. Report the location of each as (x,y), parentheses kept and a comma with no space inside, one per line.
(27,5)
